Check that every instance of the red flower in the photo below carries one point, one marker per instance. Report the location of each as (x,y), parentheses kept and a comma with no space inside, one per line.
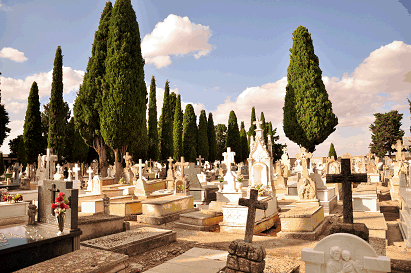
(59,199)
(68,204)
(61,194)
(62,206)
(54,205)
(67,207)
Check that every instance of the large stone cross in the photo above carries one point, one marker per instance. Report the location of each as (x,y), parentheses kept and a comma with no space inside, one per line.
(90,171)
(258,123)
(170,162)
(398,147)
(304,156)
(50,168)
(229,158)
(53,191)
(252,205)
(75,170)
(346,178)
(182,164)
(199,160)
(140,167)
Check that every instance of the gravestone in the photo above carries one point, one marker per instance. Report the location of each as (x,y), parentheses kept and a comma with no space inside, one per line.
(185,182)
(90,179)
(246,256)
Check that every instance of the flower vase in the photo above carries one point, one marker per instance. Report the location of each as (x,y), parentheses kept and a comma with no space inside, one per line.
(60,220)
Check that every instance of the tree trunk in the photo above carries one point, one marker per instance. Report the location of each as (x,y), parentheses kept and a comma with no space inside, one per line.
(100,147)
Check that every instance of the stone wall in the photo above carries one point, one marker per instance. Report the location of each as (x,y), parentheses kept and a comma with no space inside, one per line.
(245,257)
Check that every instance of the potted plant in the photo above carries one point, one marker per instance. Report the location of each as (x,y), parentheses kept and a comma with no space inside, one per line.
(18,198)
(3,193)
(60,207)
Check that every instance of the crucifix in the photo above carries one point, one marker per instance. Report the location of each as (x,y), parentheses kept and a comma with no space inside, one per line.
(346,178)
(398,147)
(127,159)
(229,158)
(75,170)
(258,123)
(182,164)
(170,173)
(140,167)
(252,205)
(199,160)
(150,164)
(53,191)
(50,168)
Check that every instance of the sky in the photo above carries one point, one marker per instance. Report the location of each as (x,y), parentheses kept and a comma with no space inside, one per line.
(224,55)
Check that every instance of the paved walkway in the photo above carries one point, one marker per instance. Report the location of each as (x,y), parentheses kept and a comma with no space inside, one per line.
(197,260)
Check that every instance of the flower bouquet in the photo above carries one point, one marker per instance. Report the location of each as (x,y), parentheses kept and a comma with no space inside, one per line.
(18,198)
(261,189)
(180,188)
(61,205)
(8,197)
(221,179)
(3,193)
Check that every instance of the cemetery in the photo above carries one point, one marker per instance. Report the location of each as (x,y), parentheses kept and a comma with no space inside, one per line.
(164,208)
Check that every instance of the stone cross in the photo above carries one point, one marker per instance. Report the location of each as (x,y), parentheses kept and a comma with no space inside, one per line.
(182,164)
(140,167)
(199,160)
(170,162)
(75,170)
(53,191)
(89,171)
(304,156)
(229,158)
(369,156)
(150,163)
(346,178)
(128,158)
(50,168)
(252,205)
(58,167)
(284,150)
(258,123)
(398,147)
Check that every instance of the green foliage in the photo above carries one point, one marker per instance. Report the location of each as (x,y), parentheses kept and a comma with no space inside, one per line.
(173,100)
(152,151)
(189,134)
(385,132)
(244,144)
(32,136)
(178,130)
(166,131)
(1,164)
(233,136)
(4,120)
(277,148)
(123,112)
(332,152)
(221,138)
(57,115)
(88,102)
(251,131)
(21,153)
(212,142)
(308,118)
(76,147)
(264,127)
(14,146)
(202,144)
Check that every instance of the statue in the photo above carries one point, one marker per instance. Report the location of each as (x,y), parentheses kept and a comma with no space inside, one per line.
(32,213)
(106,204)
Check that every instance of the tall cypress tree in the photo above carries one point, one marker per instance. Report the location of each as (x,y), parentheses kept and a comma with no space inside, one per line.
(152,151)
(166,130)
(189,134)
(264,127)
(178,130)
(21,154)
(212,142)
(233,136)
(243,143)
(33,139)
(123,112)
(308,117)
(1,164)
(88,103)
(332,152)
(4,120)
(221,138)
(172,100)
(57,117)
(202,141)
(251,131)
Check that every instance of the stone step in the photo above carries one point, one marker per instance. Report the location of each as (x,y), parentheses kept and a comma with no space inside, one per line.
(200,219)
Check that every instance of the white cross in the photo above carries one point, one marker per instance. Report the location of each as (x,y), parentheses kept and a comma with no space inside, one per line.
(75,170)
(90,171)
(258,123)
(69,174)
(229,157)
(140,166)
(58,168)
(50,168)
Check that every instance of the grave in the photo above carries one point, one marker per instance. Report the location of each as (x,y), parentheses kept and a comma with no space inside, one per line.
(405,213)
(11,213)
(98,225)
(201,193)
(129,203)
(40,242)
(342,252)
(204,220)
(144,188)
(133,242)
(365,198)
(165,209)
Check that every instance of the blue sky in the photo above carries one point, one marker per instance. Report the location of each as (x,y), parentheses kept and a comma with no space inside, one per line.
(224,55)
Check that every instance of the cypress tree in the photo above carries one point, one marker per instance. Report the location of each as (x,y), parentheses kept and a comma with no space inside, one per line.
(172,100)
(202,144)
(178,130)
(332,152)
(251,131)
(166,131)
(33,139)
(80,147)
(1,164)
(189,134)
(88,102)
(152,151)
(21,154)
(308,118)
(264,127)
(123,112)
(4,120)
(57,116)
(212,142)
(244,144)
(233,136)
(221,138)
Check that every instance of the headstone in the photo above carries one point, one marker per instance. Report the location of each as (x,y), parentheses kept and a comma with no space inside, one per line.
(106,204)
(182,178)
(97,187)
(76,181)
(307,188)
(90,179)
(346,178)
(199,161)
(50,167)
(399,155)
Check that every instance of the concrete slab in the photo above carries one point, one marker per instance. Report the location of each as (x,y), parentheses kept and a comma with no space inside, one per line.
(197,260)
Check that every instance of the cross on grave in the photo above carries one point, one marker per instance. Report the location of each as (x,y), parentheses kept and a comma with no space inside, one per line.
(258,123)
(346,178)
(252,205)
(53,191)
(75,170)
(304,156)
(50,158)
(90,179)
(284,150)
(127,159)
(58,167)
(150,163)
(182,164)
(69,174)
(199,160)
(229,158)
(140,167)
(170,162)
(398,147)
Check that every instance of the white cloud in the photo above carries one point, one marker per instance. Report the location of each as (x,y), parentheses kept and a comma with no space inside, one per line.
(16,107)
(18,89)
(16,127)
(175,36)
(12,54)
(354,98)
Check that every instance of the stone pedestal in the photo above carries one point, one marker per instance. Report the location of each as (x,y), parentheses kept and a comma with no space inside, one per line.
(328,199)
(374,177)
(245,257)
